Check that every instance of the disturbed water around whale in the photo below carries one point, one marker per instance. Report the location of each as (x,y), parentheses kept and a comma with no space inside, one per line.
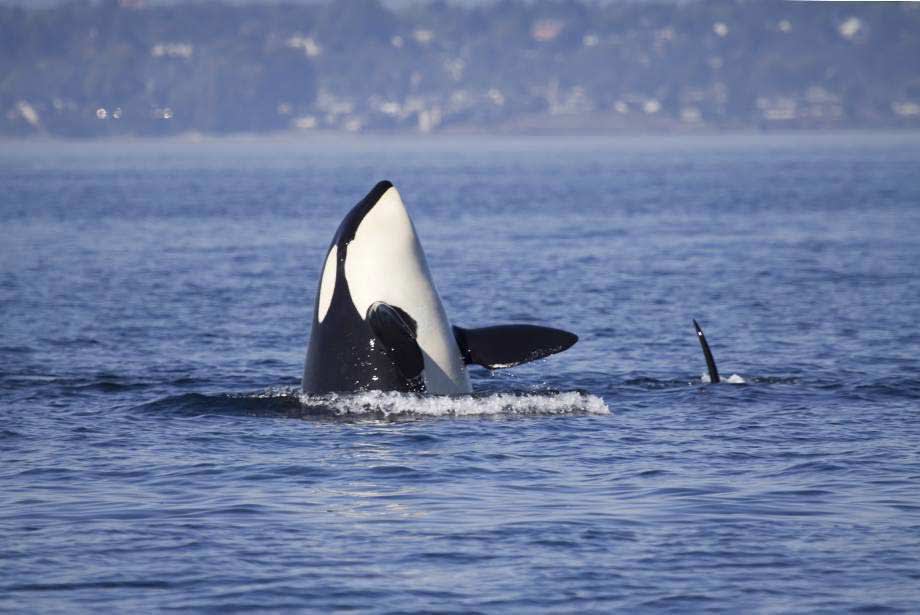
(156,452)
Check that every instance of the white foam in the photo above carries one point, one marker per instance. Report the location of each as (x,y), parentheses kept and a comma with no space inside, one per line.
(733,379)
(387,403)
(272,393)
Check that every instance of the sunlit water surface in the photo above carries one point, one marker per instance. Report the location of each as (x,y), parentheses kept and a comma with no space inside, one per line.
(155,452)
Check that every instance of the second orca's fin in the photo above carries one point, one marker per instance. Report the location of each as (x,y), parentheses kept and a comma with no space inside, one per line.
(510,345)
(396,332)
(710,362)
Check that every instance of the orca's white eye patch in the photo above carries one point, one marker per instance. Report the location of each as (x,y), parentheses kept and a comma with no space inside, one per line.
(327,285)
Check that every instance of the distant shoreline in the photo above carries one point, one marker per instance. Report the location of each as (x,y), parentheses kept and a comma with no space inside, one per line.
(342,139)
(299,136)
(196,69)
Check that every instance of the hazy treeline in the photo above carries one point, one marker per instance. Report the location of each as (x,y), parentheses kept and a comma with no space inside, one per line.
(113,67)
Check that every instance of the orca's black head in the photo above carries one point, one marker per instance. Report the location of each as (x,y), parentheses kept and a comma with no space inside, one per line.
(349,226)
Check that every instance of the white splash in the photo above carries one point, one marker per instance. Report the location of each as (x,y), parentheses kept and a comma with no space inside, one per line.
(388,403)
(733,379)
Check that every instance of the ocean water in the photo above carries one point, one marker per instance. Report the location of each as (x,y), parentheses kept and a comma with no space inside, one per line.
(156,454)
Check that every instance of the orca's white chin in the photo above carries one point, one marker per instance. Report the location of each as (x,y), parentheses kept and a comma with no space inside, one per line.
(389,219)
(385,257)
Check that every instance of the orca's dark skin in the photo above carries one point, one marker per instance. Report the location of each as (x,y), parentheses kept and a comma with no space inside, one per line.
(710,361)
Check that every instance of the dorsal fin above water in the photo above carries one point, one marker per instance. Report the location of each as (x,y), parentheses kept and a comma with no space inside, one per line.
(509,345)
(710,361)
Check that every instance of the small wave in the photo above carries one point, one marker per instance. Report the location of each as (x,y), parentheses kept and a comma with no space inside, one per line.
(380,405)
(16,349)
(110,386)
(46,587)
(103,382)
(384,404)
(888,388)
(654,383)
(775,380)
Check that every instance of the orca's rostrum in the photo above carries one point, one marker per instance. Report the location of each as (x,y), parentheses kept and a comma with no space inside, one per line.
(378,321)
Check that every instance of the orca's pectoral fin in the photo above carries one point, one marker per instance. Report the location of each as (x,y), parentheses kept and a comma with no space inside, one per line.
(710,361)
(395,330)
(510,345)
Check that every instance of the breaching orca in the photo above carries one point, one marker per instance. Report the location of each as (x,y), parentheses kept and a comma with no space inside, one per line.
(710,361)
(378,322)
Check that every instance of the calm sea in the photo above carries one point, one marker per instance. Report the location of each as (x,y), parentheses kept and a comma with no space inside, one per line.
(155,453)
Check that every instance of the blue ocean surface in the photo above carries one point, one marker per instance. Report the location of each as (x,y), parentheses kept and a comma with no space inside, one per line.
(156,452)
